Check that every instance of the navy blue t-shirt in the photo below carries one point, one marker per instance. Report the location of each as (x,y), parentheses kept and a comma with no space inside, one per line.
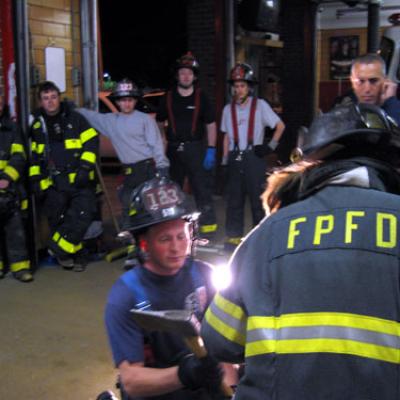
(180,291)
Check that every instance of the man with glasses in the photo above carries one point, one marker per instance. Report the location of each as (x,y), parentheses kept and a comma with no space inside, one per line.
(370,85)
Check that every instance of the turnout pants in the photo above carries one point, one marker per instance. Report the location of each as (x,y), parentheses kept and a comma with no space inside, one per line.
(69,211)
(14,247)
(246,177)
(135,175)
(186,159)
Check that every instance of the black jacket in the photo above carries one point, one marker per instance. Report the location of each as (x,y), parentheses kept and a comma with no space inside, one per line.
(80,141)
(314,309)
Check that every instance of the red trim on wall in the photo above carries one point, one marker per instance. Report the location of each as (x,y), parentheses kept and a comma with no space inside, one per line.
(8,55)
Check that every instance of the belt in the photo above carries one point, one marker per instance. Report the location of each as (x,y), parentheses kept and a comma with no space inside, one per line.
(130,168)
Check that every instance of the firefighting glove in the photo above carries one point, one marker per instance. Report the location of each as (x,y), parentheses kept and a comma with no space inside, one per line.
(82,177)
(195,373)
(262,150)
(209,159)
(163,172)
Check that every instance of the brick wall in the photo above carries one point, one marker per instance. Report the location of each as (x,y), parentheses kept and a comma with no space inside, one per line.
(201,41)
(50,25)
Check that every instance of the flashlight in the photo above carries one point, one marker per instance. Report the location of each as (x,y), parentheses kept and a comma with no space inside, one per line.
(221,277)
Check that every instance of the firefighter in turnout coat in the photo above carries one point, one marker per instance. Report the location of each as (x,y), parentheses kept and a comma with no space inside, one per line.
(314,309)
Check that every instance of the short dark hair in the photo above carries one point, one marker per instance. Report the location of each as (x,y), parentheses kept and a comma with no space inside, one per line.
(369,59)
(47,86)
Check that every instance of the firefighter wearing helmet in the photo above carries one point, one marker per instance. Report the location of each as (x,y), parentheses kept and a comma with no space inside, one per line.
(191,137)
(167,277)
(243,123)
(314,305)
(136,140)
(13,203)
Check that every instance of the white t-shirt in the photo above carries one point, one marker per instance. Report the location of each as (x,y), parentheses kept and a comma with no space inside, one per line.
(264,117)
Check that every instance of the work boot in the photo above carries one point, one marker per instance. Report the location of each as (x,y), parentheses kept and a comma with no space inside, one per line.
(23,275)
(80,262)
(66,261)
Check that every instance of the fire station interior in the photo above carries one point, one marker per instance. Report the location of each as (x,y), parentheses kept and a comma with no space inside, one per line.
(53,342)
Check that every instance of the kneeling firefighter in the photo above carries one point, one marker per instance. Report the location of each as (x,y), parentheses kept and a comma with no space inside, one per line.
(13,202)
(314,307)
(167,277)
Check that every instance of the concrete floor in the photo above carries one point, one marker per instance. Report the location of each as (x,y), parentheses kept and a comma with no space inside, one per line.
(53,342)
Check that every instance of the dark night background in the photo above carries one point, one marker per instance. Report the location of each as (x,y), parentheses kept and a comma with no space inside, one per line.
(141,39)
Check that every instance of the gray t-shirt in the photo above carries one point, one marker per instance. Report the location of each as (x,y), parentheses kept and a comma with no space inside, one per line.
(134,136)
(264,117)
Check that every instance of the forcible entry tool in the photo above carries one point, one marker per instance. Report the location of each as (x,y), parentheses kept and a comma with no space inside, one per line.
(179,322)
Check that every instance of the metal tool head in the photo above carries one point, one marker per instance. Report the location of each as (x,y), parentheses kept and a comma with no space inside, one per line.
(181,322)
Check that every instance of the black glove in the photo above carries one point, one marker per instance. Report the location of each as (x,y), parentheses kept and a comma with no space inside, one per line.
(82,178)
(163,172)
(262,150)
(195,373)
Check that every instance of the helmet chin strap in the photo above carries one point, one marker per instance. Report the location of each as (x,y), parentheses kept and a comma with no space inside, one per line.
(242,100)
(184,86)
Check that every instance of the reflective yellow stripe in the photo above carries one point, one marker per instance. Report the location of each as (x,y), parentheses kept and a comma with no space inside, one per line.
(227,319)
(37,125)
(11,172)
(224,329)
(330,319)
(88,156)
(3,164)
(340,333)
(34,170)
(228,307)
(17,148)
(15,267)
(45,183)
(336,346)
(1,265)
(132,211)
(72,144)
(71,177)
(40,148)
(87,135)
(91,175)
(37,148)
(24,204)
(234,240)
(128,171)
(68,247)
(208,228)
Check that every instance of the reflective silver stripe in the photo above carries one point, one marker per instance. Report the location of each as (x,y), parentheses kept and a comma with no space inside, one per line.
(325,332)
(238,325)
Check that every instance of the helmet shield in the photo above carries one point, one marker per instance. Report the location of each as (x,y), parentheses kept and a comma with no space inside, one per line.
(125,88)
(242,72)
(155,201)
(350,127)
